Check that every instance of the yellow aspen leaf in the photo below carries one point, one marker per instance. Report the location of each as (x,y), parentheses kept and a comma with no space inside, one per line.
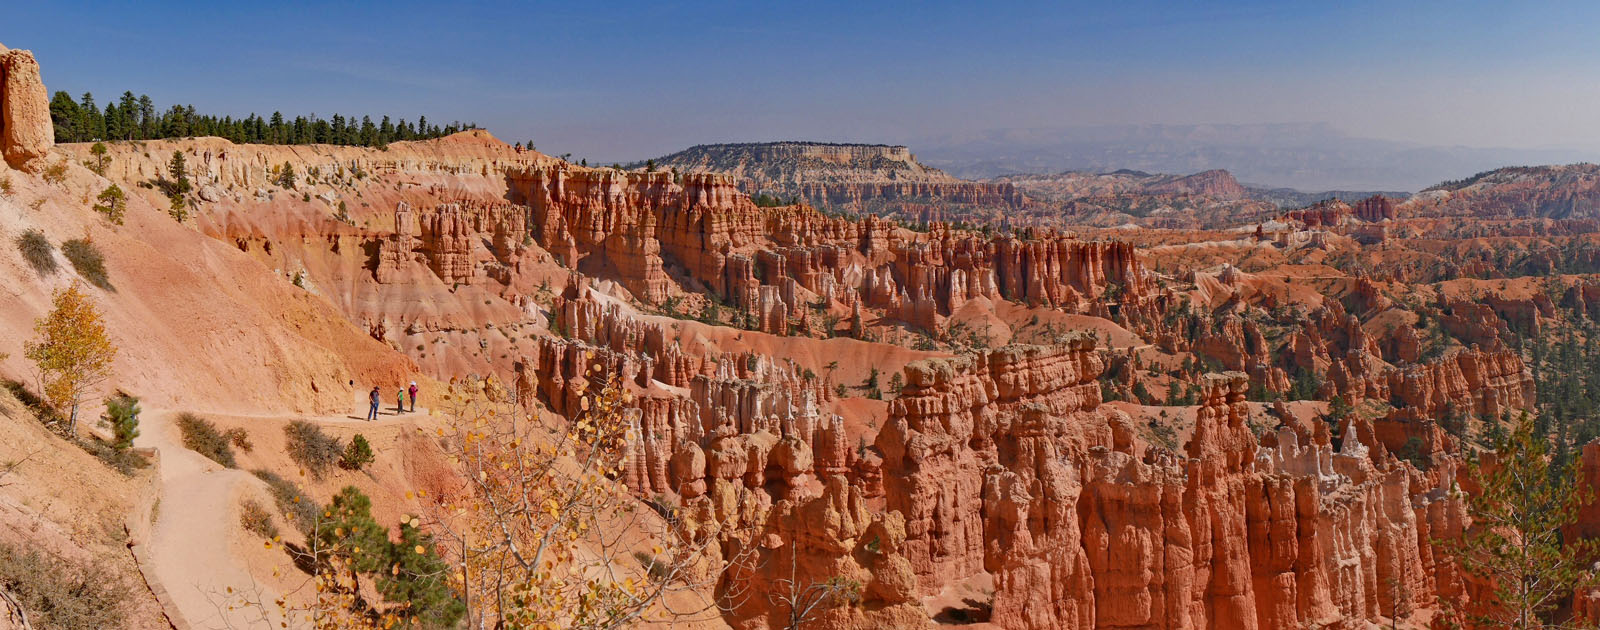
(420,550)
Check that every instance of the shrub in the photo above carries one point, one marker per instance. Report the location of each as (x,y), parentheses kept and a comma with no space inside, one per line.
(202,437)
(36,249)
(295,505)
(85,258)
(357,454)
(255,519)
(61,594)
(56,173)
(311,448)
(124,461)
(240,438)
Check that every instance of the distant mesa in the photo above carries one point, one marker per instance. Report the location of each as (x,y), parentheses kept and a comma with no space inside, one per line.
(862,177)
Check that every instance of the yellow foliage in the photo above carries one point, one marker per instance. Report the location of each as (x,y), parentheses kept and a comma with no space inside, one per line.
(72,350)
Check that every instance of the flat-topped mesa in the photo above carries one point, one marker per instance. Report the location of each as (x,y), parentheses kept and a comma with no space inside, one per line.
(864,194)
(26,131)
(856,175)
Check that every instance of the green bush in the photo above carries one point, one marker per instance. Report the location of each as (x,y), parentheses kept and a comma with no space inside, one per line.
(255,519)
(122,415)
(295,505)
(85,258)
(61,594)
(202,437)
(358,454)
(36,249)
(310,447)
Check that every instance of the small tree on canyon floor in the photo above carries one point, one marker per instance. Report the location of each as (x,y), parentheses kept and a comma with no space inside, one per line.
(72,351)
(1516,543)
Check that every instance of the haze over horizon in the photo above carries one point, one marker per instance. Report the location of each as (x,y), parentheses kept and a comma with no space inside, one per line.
(640,80)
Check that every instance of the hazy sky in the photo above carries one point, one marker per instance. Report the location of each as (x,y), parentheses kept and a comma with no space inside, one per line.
(622,80)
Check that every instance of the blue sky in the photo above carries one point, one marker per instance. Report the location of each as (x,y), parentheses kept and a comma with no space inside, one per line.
(624,80)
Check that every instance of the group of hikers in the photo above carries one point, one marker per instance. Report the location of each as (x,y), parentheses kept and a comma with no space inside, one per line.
(399,400)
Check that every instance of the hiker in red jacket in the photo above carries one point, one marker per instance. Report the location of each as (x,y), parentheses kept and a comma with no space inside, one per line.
(413,391)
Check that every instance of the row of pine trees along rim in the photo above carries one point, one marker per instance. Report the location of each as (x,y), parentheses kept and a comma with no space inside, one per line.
(136,118)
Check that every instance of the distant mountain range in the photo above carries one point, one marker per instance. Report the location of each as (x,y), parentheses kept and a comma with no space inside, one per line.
(1310,156)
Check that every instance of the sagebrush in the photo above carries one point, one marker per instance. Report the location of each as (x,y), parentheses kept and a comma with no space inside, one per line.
(293,502)
(61,594)
(201,436)
(310,447)
(255,519)
(88,261)
(36,249)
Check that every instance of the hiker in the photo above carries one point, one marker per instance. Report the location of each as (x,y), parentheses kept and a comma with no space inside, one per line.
(413,392)
(399,401)
(372,412)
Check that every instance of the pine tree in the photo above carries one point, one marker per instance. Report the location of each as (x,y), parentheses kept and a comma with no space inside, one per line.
(113,203)
(275,129)
(419,579)
(147,117)
(93,127)
(286,176)
(348,529)
(178,168)
(100,160)
(1516,542)
(128,109)
(122,415)
(357,454)
(66,117)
